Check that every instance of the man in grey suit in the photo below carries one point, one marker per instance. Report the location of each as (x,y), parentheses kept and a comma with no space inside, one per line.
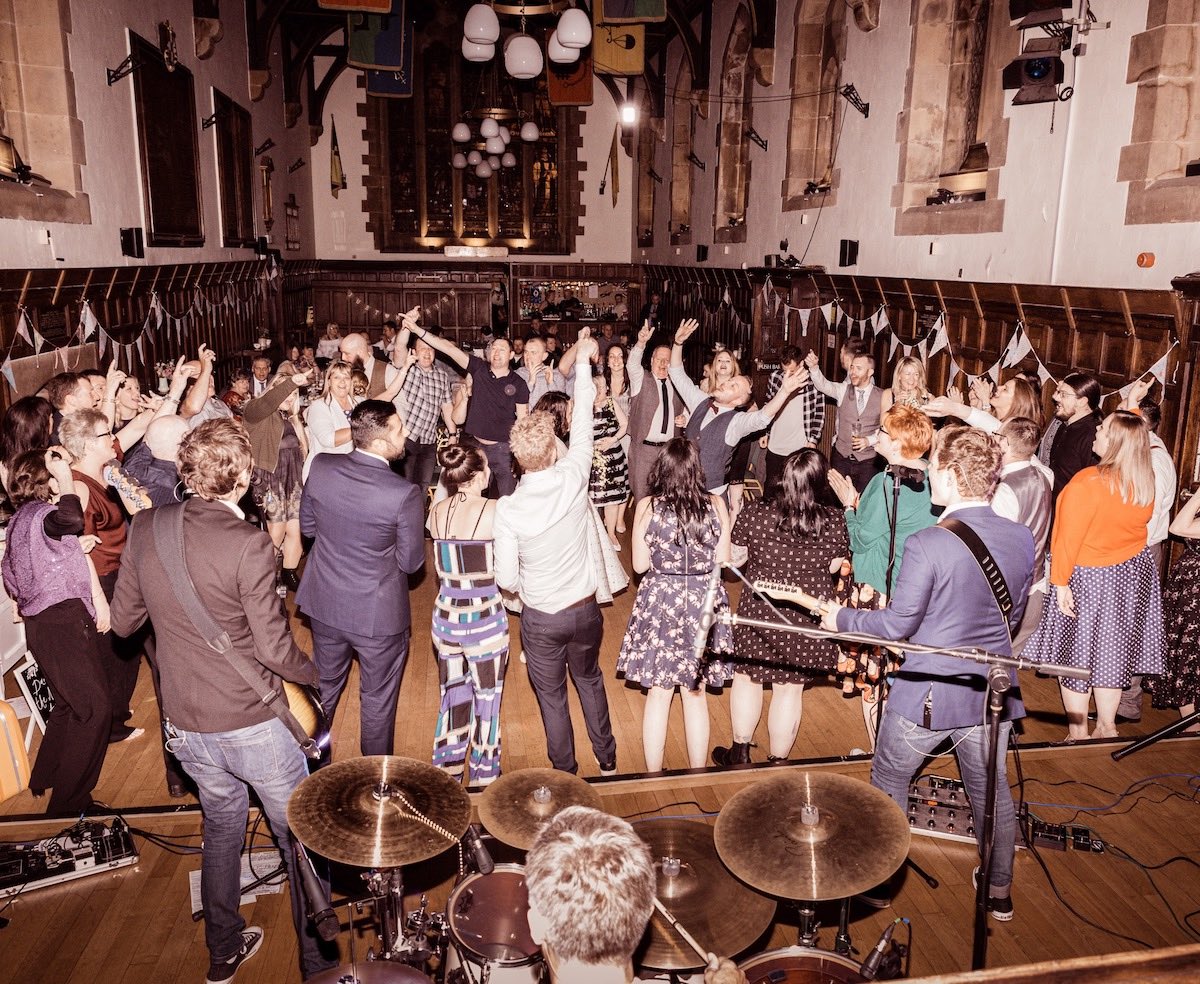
(942,598)
(367,525)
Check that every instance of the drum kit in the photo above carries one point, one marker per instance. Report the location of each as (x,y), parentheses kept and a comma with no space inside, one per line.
(804,837)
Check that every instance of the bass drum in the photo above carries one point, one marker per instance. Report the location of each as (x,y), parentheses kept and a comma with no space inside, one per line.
(801,965)
(487,922)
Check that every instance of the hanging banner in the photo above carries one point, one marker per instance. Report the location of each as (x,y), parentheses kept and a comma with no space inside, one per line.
(1159,369)
(952,374)
(1018,348)
(632,11)
(614,164)
(617,49)
(570,85)
(368,6)
(337,177)
(382,42)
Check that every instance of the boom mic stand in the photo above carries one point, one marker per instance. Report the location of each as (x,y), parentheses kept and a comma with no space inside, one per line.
(998,685)
(1164,732)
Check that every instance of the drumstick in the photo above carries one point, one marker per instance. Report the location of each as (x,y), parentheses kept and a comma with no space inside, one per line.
(687,937)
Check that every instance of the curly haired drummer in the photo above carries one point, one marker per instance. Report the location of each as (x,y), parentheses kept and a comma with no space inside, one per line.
(591,884)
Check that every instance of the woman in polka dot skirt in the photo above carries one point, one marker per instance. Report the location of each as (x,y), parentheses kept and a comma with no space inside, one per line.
(1105,613)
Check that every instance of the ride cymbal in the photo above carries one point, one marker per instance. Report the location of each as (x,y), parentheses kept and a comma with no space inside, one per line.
(812,835)
(721,913)
(518,804)
(366,812)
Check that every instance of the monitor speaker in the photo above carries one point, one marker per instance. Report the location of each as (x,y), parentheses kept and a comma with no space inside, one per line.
(701,253)
(132,244)
(848,252)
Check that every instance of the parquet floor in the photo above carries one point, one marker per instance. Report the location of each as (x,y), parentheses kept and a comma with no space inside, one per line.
(134,925)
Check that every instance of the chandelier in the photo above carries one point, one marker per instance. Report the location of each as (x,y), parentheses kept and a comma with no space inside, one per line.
(522,53)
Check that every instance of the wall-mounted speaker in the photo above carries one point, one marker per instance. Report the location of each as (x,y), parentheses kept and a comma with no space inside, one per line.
(848,252)
(260,246)
(132,243)
(701,253)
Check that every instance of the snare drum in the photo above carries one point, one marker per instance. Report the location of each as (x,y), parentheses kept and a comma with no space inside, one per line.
(801,965)
(371,972)
(487,922)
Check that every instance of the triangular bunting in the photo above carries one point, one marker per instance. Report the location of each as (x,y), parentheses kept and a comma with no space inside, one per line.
(892,346)
(141,349)
(7,369)
(921,349)
(87,321)
(101,338)
(1159,369)
(38,341)
(24,328)
(938,336)
(1018,348)
(906,350)
(726,298)
(827,312)
(804,315)
(952,374)
(1043,373)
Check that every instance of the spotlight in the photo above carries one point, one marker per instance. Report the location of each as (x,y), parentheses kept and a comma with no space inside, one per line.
(629,114)
(1036,73)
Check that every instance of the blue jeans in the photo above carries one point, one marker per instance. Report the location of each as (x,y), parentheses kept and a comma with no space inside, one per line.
(225,766)
(902,748)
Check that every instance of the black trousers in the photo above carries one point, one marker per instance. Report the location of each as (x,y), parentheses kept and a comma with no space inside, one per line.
(120,659)
(64,642)
(859,472)
(419,462)
(556,644)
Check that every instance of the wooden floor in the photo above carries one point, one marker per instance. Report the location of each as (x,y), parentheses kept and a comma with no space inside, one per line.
(134,925)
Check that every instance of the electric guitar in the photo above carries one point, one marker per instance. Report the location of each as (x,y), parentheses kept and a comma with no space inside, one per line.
(306,708)
(789,592)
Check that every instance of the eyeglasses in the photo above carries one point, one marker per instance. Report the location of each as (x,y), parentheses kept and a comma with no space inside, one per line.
(103,435)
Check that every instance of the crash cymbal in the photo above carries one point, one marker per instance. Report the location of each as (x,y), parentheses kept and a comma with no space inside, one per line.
(360,812)
(812,835)
(721,913)
(517,805)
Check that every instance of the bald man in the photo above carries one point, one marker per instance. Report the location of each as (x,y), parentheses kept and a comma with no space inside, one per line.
(381,376)
(152,462)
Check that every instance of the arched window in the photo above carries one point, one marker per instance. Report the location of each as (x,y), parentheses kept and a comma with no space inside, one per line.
(954,135)
(683,127)
(817,54)
(733,158)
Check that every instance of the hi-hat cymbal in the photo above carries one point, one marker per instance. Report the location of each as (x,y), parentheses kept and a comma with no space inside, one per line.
(812,835)
(518,804)
(721,913)
(362,812)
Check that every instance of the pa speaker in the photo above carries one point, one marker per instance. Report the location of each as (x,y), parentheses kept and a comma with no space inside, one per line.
(261,246)
(701,253)
(132,243)
(848,252)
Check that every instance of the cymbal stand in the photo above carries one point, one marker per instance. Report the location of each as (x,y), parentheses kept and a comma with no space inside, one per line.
(807,912)
(841,942)
(386,886)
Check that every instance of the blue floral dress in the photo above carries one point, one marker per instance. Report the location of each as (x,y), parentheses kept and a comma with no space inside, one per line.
(658,647)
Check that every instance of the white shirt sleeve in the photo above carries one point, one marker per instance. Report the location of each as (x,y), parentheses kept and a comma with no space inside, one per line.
(634,369)
(836,391)
(320,426)
(504,556)
(983,420)
(1004,503)
(691,394)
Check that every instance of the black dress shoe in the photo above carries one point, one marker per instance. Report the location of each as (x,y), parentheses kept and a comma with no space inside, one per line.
(736,754)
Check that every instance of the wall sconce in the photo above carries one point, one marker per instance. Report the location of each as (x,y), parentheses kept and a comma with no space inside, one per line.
(696,161)
(166,46)
(629,114)
(295,166)
(854,99)
(264,147)
(210,120)
(758,138)
(657,178)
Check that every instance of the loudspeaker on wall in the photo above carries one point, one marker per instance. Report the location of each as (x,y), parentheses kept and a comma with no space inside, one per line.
(848,252)
(132,243)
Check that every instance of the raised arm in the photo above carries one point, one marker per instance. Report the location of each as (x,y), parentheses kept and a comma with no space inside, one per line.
(436,342)
(582,414)
(198,394)
(688,391)
(834,391)
(633,365)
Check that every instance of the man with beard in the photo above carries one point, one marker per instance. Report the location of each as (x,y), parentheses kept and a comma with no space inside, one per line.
(384,378)
(367,525)
(1076,402)
(427,396)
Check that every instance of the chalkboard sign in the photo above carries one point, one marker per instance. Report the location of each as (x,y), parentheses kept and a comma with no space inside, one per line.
(36,689)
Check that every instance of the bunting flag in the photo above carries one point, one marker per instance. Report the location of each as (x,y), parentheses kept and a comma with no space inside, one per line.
(1159,369)
(952,374)
(632,11)
(827,313)
(87,320)
(804,315)
(893,345)
(614,164)
(1018,348)
(7,369)
(337,177)
(38,341)
(24,328)
(938,334)
(726,298)
(906,350)
(921,348)
(101,338)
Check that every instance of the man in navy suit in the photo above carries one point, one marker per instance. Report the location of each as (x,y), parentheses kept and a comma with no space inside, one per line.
(942,598)
(367,524)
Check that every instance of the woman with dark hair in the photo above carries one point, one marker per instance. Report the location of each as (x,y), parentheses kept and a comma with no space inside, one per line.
(25,427)
(558,405)
(680,533)
(616,381)
(796,537)
(470,626)
(279,447)
(1015,398)
(58,595)
(894,505)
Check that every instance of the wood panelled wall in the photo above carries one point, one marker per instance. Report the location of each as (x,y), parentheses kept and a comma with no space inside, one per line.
(1116,335)
(120,298)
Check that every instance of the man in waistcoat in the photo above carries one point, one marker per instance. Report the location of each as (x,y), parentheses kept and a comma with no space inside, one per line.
(715,426)
(859,404)
(381,375)
(1023,495)
(653,407)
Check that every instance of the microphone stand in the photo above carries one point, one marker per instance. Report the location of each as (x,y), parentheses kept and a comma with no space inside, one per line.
(999,684)
(1164,732)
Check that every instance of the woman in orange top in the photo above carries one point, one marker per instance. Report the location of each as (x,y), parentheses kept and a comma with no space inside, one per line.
(1106,611)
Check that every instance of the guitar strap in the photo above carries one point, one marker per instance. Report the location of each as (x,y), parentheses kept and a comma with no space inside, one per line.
(167,530)
(987,564)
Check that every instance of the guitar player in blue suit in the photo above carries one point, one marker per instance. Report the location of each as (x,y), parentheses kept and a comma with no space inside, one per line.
(367,523)
(943,598)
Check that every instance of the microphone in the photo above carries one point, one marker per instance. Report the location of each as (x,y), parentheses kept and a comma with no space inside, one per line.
(323,917)
(870,966)
(483,860)
(707,613)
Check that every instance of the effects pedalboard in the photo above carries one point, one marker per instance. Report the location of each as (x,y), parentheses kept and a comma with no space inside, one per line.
(940,807)
(87,848)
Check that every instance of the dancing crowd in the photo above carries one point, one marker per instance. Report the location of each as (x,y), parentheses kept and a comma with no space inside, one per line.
(525,462)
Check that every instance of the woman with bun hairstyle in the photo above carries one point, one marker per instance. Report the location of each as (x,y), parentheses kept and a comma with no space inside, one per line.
(470,625)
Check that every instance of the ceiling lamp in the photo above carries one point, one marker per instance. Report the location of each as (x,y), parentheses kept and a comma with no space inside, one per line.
(522,56)
(483,170)
(474,158)
(482,25)
(489,128)
(494,162)
(459,161)
(461,133)
(473,52)
(508,160)
(574,29)
(530,131)
(495,145)
(559,53)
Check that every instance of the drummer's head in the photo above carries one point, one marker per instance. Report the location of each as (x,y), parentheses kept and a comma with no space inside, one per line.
(591,888)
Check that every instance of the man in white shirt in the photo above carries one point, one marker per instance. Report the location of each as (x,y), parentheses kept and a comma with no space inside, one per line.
(654,405)
(543,553)
(539,376)
(260,376)
(382,377)
(859,408)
